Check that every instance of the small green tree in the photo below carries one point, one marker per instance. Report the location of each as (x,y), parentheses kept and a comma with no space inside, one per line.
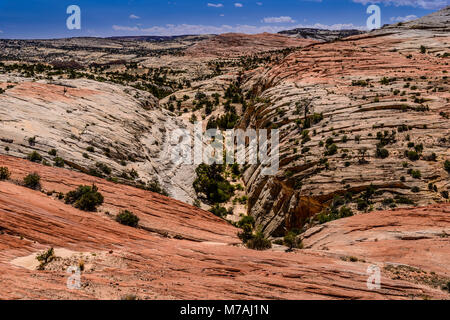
(32,181)
(382,153)
(247,223)
(59,162)
(128,218)
(45,258)
(85,198)
(219,211)
(34,157)
(292,241)
(259,242)
(331,150)
(4,173)
(155,186)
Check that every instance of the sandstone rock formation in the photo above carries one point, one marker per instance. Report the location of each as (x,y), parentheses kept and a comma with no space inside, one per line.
(437,21)
(91,125)
(180,252)
(416,237)
(384,90)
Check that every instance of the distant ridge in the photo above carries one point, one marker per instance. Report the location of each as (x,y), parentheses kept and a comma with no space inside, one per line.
(436,21)
(160,38)
(320,34)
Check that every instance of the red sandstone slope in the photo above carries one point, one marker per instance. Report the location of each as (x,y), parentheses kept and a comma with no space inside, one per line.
(417,237)
(200,263)
(237,44)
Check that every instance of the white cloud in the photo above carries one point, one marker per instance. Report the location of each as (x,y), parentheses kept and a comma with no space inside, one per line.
(259,3)
(133,16)
(282,19)
(185,29)
(404,19)
(1,31)
(238,5)
(215,5)
(426,4)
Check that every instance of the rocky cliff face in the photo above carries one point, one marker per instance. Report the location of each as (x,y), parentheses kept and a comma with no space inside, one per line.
(181,252)
(363,121)
(98,128)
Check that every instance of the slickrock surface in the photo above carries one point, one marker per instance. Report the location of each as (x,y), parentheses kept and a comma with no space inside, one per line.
(70,116)
(364,86)
(236,44)
(437,21)
(416,237)
(197,259)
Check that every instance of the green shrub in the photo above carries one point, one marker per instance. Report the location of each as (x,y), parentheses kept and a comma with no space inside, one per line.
(154,186)
(34,157)
(403,200)
(362,204)
(292,241)
(416,174)
(85,198)
(52,152)
(235,169)
(247,224)
(259,242)
(59,162)
(219,211)
(32,141)
(45,258)
(197,203)
(412,155)
(32,181)
(103,167)
(447,165)
(444,194)
(95,172)
(246,220)
(128,218)
(333,213)
(331,150)
(382,153)
(211,183)
(4,173)
(247,233)
(418,148)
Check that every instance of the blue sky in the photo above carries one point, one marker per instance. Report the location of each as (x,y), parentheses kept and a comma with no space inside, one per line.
(28,19)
